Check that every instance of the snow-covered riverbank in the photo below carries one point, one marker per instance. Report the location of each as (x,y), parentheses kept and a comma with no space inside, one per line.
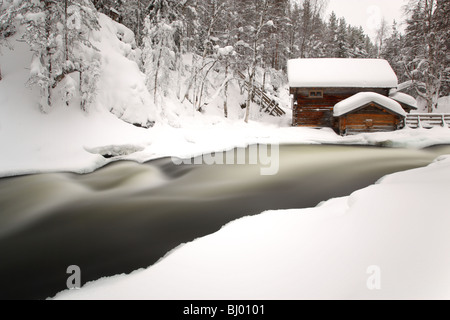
(67,140)
(388,241)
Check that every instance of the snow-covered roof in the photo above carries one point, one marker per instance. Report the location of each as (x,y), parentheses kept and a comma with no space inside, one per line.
(364,98)
(341,73)
(404,98)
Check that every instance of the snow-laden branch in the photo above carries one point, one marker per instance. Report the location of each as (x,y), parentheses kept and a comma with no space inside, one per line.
(218,91)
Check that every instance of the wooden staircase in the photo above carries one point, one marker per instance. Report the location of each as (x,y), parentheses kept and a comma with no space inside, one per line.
(260,97)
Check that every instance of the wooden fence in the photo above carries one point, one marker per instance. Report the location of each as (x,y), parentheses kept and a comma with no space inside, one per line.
(427,120)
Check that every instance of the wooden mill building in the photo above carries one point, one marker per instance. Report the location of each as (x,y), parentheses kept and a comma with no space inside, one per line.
(348,95)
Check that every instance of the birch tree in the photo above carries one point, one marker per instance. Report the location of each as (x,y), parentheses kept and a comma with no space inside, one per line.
(381,34)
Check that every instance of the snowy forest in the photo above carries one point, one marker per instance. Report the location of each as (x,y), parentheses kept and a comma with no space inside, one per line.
(192,49)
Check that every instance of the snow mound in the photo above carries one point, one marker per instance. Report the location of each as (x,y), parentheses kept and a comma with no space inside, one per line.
(115,150)
(121,87)
(364,98)
(366,73)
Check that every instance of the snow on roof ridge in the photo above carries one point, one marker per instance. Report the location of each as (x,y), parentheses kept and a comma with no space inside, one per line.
(363,98)
(404,98)
(339,72)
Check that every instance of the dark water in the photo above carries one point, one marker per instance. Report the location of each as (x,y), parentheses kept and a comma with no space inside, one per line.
(127,216)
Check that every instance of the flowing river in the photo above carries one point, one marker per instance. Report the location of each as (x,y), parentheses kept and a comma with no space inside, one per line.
(127,216)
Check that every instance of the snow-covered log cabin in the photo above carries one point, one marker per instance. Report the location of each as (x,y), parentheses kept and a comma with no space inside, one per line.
(348,95)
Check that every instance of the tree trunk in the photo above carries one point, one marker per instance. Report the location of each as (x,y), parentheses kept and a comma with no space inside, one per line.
(138,19)
(158,64)
(225,102)
(276,56)
(264,81)
(48,30)
(250,95)
(249,101)
(83,101)
(1,74)
(179,63)
(66,31)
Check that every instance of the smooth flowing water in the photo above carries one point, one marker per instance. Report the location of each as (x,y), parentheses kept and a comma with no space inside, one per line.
(127,216)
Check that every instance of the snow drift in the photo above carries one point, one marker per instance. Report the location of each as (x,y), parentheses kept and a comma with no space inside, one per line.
(122,89)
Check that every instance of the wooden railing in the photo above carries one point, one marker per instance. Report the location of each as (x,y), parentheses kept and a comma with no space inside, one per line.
(427,120)
(268,105)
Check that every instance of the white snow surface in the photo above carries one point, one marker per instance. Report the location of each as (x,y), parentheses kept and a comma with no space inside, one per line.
(363,98)
(341,73)
(404,98)
(327,252)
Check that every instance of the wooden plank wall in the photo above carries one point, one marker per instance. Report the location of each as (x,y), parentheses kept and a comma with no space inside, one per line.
(318,112)
(369,119)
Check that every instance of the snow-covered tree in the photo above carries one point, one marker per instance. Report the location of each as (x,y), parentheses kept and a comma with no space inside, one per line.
(160,48)
(332,36)
(256,37)
(223,55)
(427,41)
(311,29)
(133,13)
(393,51)
(276,37)
(4,31)
(159,55)
(58,34)
(357,42)
(80,55)
(343,47)
(7,26)
(206,56)
(292,31)
(251,45)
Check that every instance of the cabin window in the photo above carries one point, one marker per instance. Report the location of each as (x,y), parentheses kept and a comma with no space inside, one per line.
(317,94)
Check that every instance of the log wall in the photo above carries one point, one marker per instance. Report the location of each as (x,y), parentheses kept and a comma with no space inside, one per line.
(370,118)
(318,112)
